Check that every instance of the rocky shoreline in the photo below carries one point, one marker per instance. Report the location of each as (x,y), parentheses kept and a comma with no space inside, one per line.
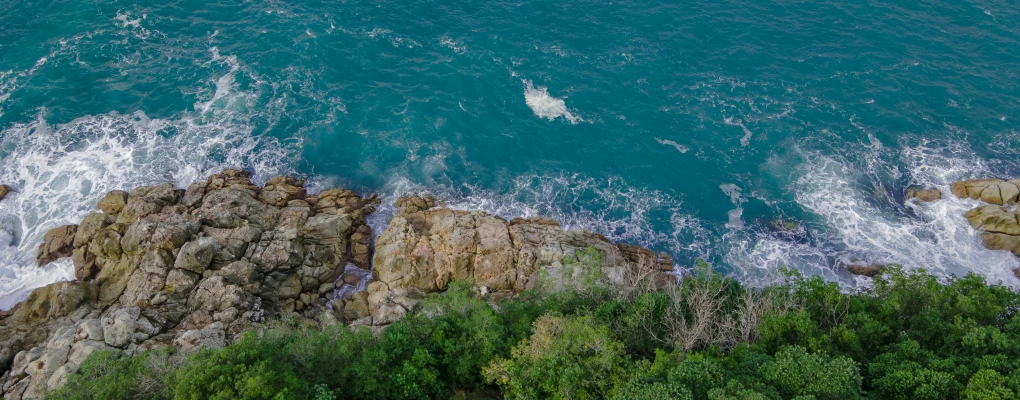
(195,268)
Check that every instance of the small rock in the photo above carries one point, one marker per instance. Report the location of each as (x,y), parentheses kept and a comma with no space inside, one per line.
(326,287)
(351,278)
(868,270)
(924,195)
(4,189)
(113,203)
(290,288)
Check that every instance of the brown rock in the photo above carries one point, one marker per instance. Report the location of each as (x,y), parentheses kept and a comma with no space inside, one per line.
(999,241)
(426,248)
(351,278)
(84,264)
(113,203)
(57,243)
(282,189)
(413,204)
(868,270)
(992,191)
(4,189)
(994,219)
(54,301)
(924,195)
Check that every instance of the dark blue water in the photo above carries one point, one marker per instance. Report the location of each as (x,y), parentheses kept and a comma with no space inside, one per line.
(690,127)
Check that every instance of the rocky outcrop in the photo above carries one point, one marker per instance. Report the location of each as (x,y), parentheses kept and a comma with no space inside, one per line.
(999,225)
(4,190)
(161,266)
(425,248)
(195,267)
(992,191)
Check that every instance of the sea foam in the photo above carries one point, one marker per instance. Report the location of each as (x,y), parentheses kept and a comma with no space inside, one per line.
(60,171)
(545,105)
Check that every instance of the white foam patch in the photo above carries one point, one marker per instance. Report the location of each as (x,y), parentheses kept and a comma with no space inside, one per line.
(746,139)
(679,147)
(59,172)
(545,105)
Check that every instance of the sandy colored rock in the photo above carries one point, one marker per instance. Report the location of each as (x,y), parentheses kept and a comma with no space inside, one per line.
(426,248)
(992,191)
(4,190)
(994,219)
(57,243)
(924,195)
(999,241)
(113,203)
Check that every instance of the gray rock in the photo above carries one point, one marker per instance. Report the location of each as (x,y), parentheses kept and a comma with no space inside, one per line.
(211,336)
(196,255)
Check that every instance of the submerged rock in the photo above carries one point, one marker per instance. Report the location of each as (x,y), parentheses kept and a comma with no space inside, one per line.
(868,270)
(924,195)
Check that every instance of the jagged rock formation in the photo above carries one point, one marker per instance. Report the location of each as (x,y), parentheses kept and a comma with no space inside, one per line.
(187,268)
(425,248)
(194,268)
(999,225)
(992,191)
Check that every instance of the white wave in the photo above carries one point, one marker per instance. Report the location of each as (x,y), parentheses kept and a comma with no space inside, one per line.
(940,241)
(59,172)
(456,46)
(746,139)
(546,106)
(679,147)
(734,220)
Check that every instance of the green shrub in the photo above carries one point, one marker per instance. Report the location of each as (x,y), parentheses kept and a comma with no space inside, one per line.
(565,358)
(796,372)
(112,375)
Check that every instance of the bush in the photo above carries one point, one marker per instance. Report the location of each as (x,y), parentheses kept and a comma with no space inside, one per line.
(565,358)
(112,375)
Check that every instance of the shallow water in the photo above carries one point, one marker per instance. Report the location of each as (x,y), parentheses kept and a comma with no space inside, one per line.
(683,127)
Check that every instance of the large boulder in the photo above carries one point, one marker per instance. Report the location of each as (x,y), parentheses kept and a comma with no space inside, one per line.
(113,203)
(57,243)
(992,191)
(426,248)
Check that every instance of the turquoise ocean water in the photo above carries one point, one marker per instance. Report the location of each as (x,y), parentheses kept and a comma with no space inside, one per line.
(688,127)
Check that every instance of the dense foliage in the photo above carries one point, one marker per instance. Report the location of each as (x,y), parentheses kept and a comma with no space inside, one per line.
(910,336)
